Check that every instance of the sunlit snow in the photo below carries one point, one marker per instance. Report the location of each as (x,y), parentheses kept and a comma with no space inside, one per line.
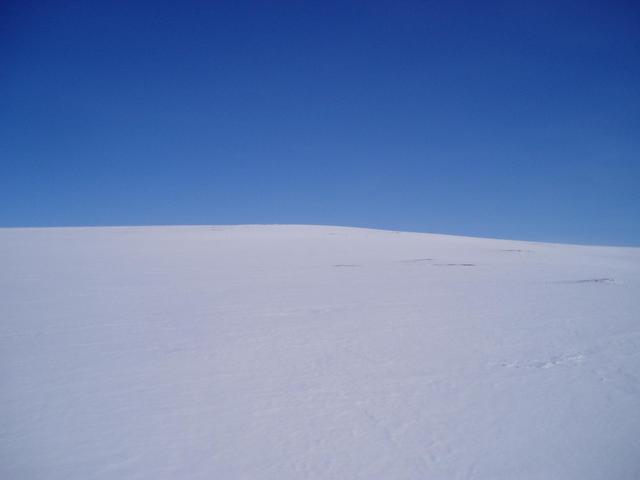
(303,352)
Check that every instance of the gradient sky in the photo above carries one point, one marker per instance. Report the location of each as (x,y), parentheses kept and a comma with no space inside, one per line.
(512,119)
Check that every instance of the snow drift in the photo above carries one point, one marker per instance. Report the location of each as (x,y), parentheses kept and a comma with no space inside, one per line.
(300,352)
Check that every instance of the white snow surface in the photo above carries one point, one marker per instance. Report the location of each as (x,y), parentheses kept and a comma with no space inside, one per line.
(309,352)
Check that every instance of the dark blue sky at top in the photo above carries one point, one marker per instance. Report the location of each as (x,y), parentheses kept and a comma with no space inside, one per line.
(512,119)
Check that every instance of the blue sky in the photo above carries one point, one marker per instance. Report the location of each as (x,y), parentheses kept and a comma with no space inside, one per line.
(501,119)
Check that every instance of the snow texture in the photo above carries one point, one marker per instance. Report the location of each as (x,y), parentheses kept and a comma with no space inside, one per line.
(304,352)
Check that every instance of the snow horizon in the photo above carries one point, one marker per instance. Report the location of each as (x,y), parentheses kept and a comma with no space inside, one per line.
(318,225)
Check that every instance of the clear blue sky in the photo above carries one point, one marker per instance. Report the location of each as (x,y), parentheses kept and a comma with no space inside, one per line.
(514,119)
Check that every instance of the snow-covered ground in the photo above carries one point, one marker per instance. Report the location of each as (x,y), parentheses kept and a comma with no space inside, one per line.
(302,352)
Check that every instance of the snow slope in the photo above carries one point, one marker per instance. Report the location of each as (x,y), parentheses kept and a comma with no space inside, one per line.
(302,352)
